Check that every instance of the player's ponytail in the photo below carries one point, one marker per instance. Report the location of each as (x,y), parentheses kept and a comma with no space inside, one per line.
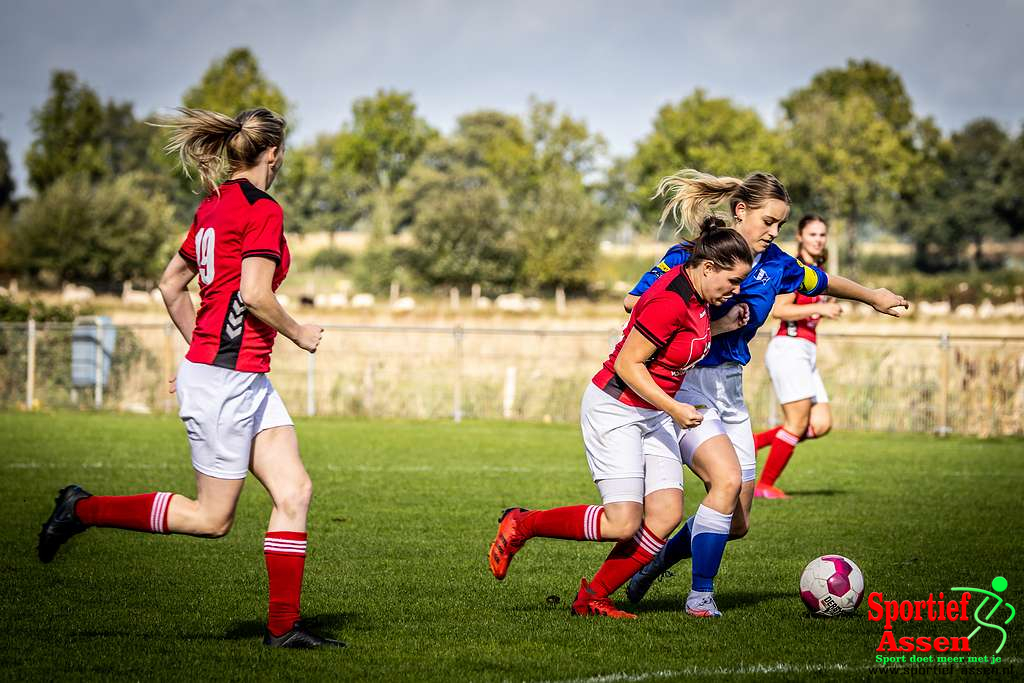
(693,196)
(210,141)
(722,247)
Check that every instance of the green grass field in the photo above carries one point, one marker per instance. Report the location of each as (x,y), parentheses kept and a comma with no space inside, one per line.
(402,516)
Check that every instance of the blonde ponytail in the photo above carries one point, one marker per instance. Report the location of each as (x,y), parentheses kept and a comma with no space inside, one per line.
(213,142)
(693,196)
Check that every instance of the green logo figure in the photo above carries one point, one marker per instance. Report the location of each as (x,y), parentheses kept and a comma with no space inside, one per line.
(998,585)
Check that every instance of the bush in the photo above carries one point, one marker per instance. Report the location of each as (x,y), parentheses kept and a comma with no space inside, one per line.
(330,258)
(98,234)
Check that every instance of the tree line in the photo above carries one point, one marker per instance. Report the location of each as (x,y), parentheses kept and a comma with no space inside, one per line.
(506,200)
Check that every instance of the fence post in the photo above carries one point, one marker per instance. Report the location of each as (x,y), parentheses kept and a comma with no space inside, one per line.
(98,387)
(30,373)
(944,352)
(509,397)
(311,385)
(457,334)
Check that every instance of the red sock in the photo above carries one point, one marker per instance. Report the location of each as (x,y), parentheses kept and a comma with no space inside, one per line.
(762,439)
(577,523)
(782,448)
(285,553)
(625,560)
(144,512)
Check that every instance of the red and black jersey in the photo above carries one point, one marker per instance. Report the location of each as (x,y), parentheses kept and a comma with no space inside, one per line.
(242,222)
(805,328)
(673,318)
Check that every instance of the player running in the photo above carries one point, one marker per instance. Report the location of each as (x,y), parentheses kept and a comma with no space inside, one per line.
(721,449)
(629,418)
(791,359)
(234,419)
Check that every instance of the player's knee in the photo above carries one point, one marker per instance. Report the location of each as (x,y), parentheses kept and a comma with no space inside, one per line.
(216,527)
(821,428)
(666,516)
(294,500)
(739,529)
(798,424)
(727,486)
(621,528)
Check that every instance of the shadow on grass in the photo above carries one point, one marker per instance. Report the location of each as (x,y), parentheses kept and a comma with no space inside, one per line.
(725,600)
(824,493)
(326,624)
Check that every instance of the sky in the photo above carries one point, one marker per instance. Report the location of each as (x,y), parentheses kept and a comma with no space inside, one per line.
(612,64)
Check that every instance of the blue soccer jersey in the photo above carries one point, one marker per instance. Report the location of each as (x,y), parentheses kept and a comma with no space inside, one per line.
(775,272)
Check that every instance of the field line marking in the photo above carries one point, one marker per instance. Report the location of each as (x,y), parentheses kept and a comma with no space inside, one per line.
(777,667)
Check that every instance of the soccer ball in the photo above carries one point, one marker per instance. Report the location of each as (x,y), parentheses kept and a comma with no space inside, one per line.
(831,585)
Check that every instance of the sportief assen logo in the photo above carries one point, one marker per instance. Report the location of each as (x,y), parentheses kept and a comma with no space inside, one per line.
(974,604)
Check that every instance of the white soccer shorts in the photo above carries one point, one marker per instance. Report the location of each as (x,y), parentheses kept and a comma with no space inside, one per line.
(793,365)
(223,411)
(631,451)
(720,389)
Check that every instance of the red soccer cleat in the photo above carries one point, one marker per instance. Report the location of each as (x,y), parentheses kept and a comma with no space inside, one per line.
(768,491)
(506,544)
(588,604)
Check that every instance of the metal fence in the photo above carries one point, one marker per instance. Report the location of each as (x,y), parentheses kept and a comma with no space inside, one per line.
(911,383)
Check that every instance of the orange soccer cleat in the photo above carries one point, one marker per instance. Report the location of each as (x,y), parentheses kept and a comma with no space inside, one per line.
(769,491)
(506,543)
(589,604)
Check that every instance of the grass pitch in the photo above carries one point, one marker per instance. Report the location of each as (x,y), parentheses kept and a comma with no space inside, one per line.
(402,516)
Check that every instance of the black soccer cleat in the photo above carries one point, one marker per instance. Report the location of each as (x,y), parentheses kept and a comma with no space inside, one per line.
(63,522)
(300,638)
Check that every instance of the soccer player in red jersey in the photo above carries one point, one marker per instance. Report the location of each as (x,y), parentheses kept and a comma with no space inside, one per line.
(631,423)
(234,419)
(791,359)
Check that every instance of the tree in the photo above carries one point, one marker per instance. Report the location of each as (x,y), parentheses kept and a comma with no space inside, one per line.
(236,83)
(463,235)
(1009,204)
(6,181)
(99,233)
(77,134)
(376,150)
(316,196)
(709,134)
(558,234)
(852,147)
(960,206)
(533,175)
(869,78)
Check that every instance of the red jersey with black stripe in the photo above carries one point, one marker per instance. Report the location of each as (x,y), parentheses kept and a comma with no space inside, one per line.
(242,222)
(805,328)
(673,318)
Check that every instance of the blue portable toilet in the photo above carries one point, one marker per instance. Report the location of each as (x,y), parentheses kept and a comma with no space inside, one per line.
(88,332)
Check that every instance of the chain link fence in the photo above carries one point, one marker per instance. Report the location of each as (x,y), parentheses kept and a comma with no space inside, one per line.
(909,383)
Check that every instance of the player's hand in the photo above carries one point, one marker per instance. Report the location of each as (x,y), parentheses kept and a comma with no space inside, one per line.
(172,385)
(737,317)
(830,310)
(686,416)
(889,303)
(308,338)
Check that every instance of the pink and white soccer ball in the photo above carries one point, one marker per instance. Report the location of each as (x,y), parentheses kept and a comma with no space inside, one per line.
(832,585)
